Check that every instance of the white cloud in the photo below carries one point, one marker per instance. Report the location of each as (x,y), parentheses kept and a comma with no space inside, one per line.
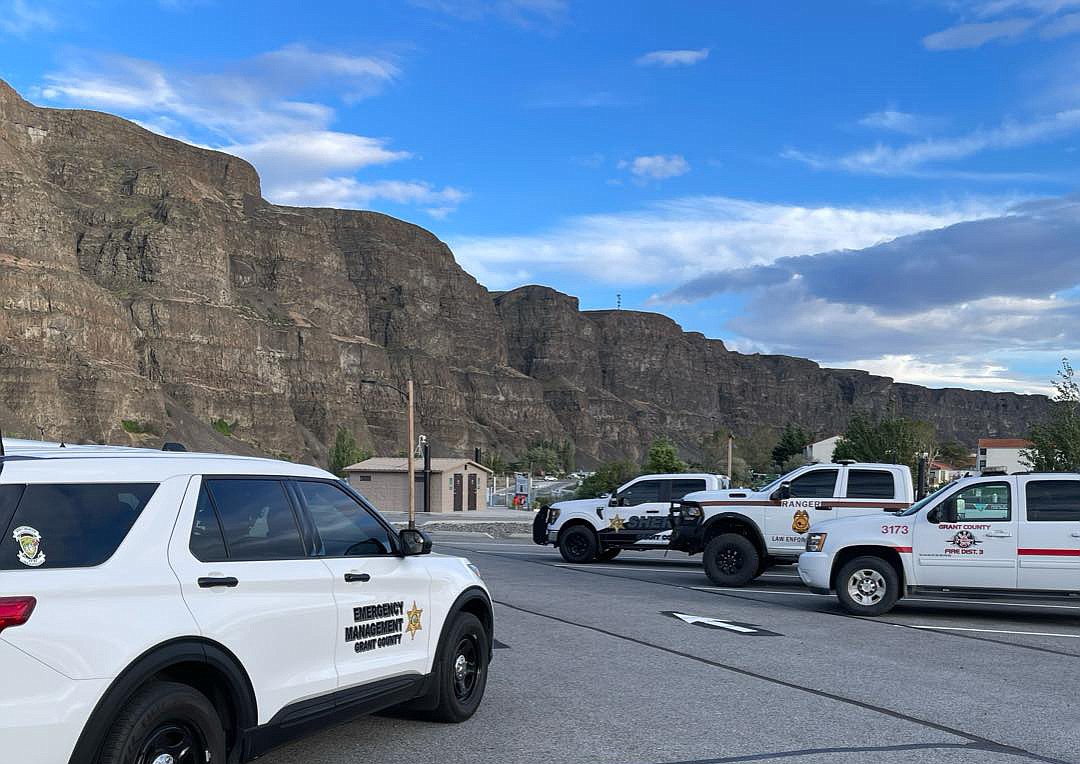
(349,193)
(975,35)
(1066,25)
(18,18)
(670,58)
(901,122)
(675,241)
(910,158)
(257,109)
(657,166)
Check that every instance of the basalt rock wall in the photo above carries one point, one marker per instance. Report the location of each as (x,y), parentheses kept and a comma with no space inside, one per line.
(150,293)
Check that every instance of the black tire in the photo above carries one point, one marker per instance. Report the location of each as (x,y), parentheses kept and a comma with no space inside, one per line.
(868,586)
(464,667)
(731,560)
(578,544)
(165,718)
(608,555)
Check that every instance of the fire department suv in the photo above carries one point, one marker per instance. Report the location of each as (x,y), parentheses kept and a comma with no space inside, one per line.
(742,533)
(175,608)
(634,517)
(992,532)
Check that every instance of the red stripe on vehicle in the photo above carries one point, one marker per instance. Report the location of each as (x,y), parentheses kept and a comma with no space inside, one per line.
(1050,552)
(903,549)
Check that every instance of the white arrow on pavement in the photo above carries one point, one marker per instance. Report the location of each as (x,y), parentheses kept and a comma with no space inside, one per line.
(714,622)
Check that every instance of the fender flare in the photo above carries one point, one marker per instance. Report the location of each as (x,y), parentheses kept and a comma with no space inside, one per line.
(756,535)
(154,661)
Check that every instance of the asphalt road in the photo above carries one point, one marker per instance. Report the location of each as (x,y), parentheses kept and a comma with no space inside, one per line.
(593,668)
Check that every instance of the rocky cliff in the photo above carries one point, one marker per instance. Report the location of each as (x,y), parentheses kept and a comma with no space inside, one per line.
(149,293)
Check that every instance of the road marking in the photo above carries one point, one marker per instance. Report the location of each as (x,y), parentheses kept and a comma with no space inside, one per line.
(988,631)
(708,622)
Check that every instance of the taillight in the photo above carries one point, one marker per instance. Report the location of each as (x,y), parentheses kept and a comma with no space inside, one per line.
(15,611)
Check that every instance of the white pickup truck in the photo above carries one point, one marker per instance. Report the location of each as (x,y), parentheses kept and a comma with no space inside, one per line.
(635,517)
(993,532)
(741,533)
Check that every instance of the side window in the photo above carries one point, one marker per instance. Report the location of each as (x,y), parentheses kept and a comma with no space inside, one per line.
(257,518)
(345,528)
(819,484)
(870,484)
(1051,501)
(71,525)
(985,502)
(207,541)
(680,488)
(640,493)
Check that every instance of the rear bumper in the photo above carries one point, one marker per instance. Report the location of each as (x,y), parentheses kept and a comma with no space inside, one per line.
(42,708)
(814,570)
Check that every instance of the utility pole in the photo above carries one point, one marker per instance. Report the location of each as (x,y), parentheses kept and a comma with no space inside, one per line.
(412,460)
(730,447)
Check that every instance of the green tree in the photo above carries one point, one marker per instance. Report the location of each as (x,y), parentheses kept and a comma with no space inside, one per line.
(892,440)
(496,463)
(793,440)
(606,479)
(541,457)
(664,457)
(1055,444)
(955,454)
(567,456)
(714,451)
(345,452)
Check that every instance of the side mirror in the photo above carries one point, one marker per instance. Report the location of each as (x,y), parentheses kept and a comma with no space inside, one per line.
(414,542)
(783,492)
(613,501)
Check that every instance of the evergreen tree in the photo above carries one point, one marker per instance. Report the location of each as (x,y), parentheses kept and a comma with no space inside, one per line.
(345,452)
(664,457)
(1056,442)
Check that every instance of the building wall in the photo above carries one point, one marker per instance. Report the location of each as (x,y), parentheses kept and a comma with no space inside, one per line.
(822,451)
(388,490)
(1009,458)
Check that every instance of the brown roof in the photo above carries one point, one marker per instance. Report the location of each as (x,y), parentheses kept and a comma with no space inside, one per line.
(1004,443)
(401,464)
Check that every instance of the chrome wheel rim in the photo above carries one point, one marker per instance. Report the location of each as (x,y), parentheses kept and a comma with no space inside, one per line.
(866,587)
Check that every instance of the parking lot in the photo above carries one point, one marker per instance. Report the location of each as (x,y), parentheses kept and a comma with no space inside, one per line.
(640,660)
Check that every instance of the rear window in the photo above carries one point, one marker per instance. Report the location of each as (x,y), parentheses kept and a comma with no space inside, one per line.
(870,484)
(1053,501)
(69,525)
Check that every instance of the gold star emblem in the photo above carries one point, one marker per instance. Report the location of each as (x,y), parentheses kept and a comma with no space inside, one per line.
(617,523)
(414,620)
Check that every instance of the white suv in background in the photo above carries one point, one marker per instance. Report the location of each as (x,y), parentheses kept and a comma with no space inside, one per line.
(174,608)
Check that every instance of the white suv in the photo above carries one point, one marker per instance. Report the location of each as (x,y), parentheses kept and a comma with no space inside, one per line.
(174,608)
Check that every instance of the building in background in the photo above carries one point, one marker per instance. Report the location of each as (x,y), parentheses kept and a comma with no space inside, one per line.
(457,485)
(941,473)
(1002,453)
(822,451)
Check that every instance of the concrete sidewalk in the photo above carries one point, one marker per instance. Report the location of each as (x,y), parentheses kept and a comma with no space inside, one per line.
(496,522)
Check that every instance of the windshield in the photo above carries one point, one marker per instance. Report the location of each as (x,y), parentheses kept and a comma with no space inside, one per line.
(924,501)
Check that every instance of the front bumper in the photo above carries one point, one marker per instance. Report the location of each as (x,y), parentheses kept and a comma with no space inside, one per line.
(539,528)
(686,535)
(41,709)
(815,569)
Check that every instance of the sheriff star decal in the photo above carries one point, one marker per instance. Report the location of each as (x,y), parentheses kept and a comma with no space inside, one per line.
(617,523)
(413,615)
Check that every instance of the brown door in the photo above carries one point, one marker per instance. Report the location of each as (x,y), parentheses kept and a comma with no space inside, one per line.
(457,491)
(472,491)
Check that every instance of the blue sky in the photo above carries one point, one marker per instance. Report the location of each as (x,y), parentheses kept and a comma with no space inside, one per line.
(879,184)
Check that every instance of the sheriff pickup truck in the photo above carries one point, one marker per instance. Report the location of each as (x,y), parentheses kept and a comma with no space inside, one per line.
(993,532)
(741,533)
(634,517)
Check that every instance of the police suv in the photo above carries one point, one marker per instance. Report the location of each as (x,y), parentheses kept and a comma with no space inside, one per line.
(634,517)
(992,532)
(741,533)
(180,608)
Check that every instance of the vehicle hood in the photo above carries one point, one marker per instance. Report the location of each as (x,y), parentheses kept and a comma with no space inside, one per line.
(856,522)
(580,505)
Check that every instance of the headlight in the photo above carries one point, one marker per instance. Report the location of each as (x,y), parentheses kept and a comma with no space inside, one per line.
(815,542)
(473,568)
(692,512)
(553,515)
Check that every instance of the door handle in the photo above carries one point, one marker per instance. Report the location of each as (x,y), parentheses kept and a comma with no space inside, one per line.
(652,511)
(352,578)
(1075,534)
(212,582)
(998,535)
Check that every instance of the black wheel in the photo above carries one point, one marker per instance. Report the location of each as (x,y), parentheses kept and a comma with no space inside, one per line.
(868,586)
(608,555)
(731,560)
(464,666)
(165,723)
(578,544)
